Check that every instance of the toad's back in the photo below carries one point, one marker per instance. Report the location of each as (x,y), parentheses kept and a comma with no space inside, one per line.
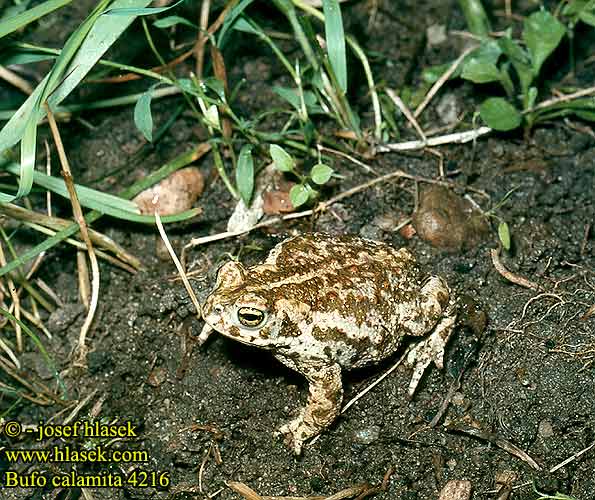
(339,289)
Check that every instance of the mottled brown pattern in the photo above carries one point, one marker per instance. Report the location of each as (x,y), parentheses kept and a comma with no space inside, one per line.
(329,303)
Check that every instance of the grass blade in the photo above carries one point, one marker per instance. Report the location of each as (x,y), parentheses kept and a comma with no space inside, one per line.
(177,163)
(49,362)
(142,115)
(23,19)
(335,41)
(81,51)
(101,202)
(476,17)
(136,11)
(230,19)
(245,174)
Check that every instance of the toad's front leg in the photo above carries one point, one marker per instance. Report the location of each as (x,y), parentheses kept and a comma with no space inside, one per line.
(324,403)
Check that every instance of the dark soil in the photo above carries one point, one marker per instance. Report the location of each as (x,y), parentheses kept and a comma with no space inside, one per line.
(531,383)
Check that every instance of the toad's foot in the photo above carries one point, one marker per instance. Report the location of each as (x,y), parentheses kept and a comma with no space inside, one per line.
(205,333)
(324,404)
(431,349)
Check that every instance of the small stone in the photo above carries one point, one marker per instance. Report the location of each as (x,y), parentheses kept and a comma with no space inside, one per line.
(63,317)
(371,232)
(368,435)
(35,362)
(277,202)
(545,429)
(157,377)
(407,231)
(448,221)
(506,478)
(386,222)
(174,194)
(257,70)
(456,490)
(448,109)
(436,34)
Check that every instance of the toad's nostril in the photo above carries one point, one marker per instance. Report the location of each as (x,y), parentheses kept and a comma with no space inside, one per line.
(218,308)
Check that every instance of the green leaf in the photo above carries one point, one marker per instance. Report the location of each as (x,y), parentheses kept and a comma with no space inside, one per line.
(35,339)
(136,11)
(321,173)
(586,115)
(23,19)
(520,61)
(169,21)
(293,98)
(488,51)
(245,174)
(531,97)
(476,17)
(433,73)
(542,33)
(230,19)
(245,26)
(290,95)
(480,66)
(499,114)
(298,195)
(18,56)
(102,202)
(587,17)
(281,158)
(216,86)
(480,72)
(504,235)
(87,196)
(81,51)
(335,41)
(143,119)
(212,117)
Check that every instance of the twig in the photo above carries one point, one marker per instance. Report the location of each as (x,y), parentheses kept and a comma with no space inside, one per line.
(572,458)
(322,206)
(81,349)
(199,47)
(15,80)
(36,322)
(556,100)
(356,398)
(499,442)
(83,276)
(57,224)
(15,301)
(102,255)
(352,159)
(405,110)
(4,346)
(176,261)
(456,138)
(537,297)
(441,81)
(75,411)
(505,273)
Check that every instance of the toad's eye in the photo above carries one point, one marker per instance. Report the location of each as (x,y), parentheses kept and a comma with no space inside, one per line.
(250,317)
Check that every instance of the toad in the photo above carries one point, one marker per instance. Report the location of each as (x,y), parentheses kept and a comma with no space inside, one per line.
(323,304)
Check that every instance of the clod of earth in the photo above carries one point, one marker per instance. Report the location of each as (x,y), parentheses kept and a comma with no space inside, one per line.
(175,193)
(447,221)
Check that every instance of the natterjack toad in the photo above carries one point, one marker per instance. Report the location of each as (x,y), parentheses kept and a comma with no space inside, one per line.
(324,303)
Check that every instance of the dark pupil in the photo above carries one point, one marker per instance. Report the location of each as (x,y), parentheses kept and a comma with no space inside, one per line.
(250,318)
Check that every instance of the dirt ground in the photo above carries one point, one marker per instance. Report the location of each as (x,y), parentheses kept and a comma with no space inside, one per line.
(206,415)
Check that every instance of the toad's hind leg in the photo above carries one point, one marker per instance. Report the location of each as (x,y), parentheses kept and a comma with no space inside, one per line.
(432,348)
(324,404)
